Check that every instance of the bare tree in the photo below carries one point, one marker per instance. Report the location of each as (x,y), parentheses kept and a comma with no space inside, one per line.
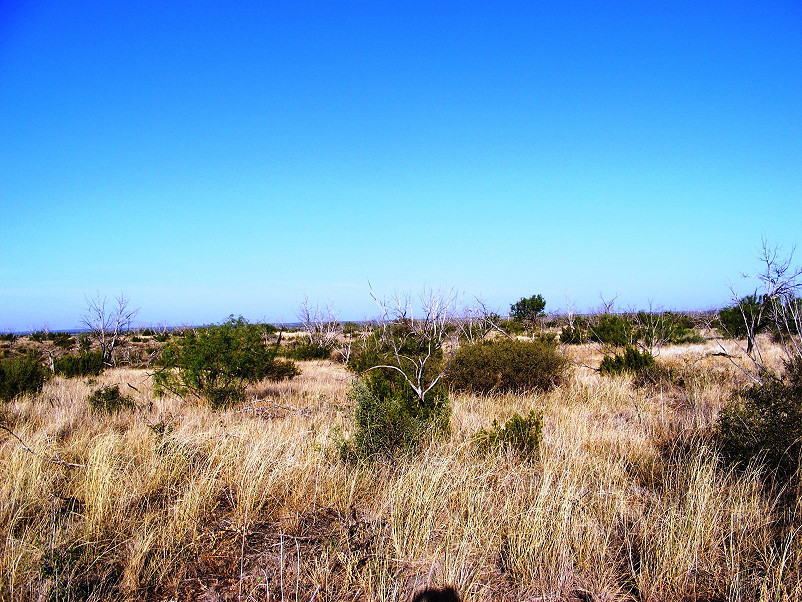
(779,283)
(320,324)
(418,343)
(477,321)
(653,328)
(108,322)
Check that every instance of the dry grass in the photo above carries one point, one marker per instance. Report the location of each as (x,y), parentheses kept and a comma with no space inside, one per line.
(176,502)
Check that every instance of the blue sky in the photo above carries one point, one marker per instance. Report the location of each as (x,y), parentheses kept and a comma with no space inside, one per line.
(217,158)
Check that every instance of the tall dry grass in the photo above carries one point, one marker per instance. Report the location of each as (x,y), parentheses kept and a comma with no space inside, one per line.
(175,502)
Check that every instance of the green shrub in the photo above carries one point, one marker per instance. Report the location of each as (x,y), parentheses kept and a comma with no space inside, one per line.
(665,327)
(63,339)
(83,364)
(576,334)
(512,327)
(504,365)
(736,321)
(109,400)
(84,342)
(632,361)
(390,419)
(612,329)
(519,435)
(216,362)
(40,336)
(21,375)
(10,337)
(764,423)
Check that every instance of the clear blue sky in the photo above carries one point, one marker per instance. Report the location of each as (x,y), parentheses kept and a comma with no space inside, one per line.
(211,158)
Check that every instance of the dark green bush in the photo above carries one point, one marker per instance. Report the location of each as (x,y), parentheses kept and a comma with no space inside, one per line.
(83,364)
(736,321)
(63,339)
(217,362)
(528,309)
(519,435)
(764,423)
(632,361)
(9,337)
(612,329)
(390,419)
(504,365)
(21,375)
(109,400)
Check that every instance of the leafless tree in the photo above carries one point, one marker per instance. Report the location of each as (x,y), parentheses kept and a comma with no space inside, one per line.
(108,322)
(320,324)
(779,283)
(419,337)
(478,321)
(653,329)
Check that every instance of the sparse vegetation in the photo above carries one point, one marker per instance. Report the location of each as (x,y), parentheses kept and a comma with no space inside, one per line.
(159,501)
(625,492)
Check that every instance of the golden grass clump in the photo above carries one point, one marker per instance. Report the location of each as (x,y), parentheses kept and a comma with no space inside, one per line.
(172,501)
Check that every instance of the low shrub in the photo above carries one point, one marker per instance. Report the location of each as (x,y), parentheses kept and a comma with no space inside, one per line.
(20,375)
(63,340)
(764,423)
(109,400)
(390,419)
(575,334)
(519,435)
(83,364)
(655,328)
(632,361)
(84,342)
(217,362)
(504,365)
(612,329)
(40,336)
